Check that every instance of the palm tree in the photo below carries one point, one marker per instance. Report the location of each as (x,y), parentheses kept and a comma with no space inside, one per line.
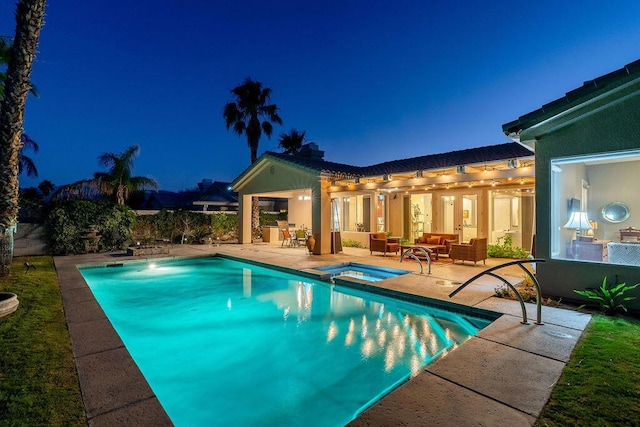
(29,21)
(26,163)
(118,180)
(251,114)
(5,54)
(46,187)
(292,142)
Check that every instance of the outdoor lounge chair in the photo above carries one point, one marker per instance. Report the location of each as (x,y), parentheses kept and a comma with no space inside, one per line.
(475,250)
(378,242)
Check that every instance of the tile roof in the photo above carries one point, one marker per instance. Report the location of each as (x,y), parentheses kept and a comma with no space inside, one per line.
(589,90)
(168,200)
(219,192)
(491,153)
(508,150)
(317,165)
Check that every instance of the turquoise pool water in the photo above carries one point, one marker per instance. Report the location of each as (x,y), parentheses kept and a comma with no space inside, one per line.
(228,343)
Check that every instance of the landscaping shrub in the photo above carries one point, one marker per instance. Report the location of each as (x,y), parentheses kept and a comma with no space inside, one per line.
(186,227)
(504,249)
(68,222)
(225,225)
(609,298)
(351,243)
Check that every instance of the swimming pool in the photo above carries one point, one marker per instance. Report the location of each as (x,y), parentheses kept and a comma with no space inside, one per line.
(230,343)
(361,271)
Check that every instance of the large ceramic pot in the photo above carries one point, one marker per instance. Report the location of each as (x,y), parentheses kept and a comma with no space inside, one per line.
(311,243)
(8,303)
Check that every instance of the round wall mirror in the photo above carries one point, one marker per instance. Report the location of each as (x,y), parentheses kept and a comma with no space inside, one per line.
(615,212)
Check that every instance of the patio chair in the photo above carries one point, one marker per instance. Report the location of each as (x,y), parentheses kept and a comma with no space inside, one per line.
(378,242)
(286,238)
(475,250)
(301,237)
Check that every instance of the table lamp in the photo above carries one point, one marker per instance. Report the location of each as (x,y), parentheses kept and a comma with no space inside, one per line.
(578,221)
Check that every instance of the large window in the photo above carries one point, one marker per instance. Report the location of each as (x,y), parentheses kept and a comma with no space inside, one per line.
(357,213)
(511,216)
(595,208)
(419,215)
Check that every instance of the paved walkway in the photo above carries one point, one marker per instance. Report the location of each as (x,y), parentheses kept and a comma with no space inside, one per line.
(502,376)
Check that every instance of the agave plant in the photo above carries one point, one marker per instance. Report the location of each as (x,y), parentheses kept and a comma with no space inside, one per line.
(608,298)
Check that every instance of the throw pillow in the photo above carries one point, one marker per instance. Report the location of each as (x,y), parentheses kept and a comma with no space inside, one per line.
(435,240)
(421,240)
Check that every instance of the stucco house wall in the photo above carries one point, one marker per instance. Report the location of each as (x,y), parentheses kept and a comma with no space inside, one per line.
(611,124)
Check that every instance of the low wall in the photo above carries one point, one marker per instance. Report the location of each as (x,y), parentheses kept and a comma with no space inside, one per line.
(29,240)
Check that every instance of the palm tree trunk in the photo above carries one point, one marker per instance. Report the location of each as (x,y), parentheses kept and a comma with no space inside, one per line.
(29,21)
(255,200)
(255,218)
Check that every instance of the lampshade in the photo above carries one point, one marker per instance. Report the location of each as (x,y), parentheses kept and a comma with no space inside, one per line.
(578,221)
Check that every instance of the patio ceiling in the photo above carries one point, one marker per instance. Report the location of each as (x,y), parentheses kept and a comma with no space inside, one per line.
(488,174)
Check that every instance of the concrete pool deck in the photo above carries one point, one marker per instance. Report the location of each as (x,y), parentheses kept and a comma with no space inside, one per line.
(502,376)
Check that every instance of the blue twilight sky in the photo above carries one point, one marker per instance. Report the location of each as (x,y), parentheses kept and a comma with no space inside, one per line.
(369,81)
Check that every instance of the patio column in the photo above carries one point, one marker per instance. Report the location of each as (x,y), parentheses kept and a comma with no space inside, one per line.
(321,217)
(244,219)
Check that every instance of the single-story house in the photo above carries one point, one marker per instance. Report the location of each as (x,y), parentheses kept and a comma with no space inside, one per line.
(587,152)
(479,192)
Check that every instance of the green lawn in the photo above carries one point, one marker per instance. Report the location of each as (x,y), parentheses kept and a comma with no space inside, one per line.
(38,379)
(600,386)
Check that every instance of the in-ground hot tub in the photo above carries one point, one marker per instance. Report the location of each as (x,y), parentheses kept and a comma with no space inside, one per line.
(366,272)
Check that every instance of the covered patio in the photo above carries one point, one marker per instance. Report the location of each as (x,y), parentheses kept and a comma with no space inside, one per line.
(481,192)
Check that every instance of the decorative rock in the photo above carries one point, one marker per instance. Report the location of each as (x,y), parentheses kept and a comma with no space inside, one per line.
(147,250)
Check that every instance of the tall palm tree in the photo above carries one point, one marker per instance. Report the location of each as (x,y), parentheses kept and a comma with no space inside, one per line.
(292,142)
(29,21)
(251,114)
(6,48)
(26,163)
(118,180)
